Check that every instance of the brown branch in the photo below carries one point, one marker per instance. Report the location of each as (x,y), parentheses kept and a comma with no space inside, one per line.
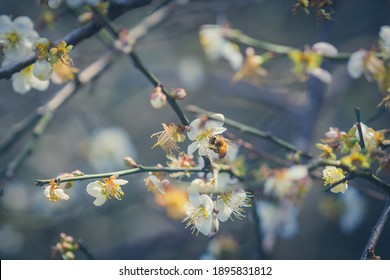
(76,36)
(376,232)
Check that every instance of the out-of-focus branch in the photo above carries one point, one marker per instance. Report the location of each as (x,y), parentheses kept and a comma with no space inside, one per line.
(77,35)
(369,250)
(251,130)
(238,37)
(47,111)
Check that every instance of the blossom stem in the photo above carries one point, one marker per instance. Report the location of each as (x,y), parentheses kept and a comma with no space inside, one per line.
(140,169)
(238,37)
(140,66)
(359,128)
(74,37)
(254,131)
(376,232)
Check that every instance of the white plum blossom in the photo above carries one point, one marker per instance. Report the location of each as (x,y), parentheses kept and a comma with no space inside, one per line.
(216,46)
(42,70)
(232,202)
(103,191)
(355,64)
(17,35)
(24,80)
(384,34)
(201,132)
(156,184)
(199,212)
(321,74)
(54,192)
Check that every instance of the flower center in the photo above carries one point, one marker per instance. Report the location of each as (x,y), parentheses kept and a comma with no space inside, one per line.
(13,38)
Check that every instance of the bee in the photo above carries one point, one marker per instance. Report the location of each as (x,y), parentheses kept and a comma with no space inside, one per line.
(219,145)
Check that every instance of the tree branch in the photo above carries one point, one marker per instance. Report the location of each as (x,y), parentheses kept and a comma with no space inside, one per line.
(76,36)
(376,232)
(251,130)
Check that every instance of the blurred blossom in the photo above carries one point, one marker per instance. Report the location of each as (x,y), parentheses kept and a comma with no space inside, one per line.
(14,241)
(173,201)
(15,197)
(107,148)
(221,247)
(216,46)
(384,34)
(277,221)
(191,73)
(354,208)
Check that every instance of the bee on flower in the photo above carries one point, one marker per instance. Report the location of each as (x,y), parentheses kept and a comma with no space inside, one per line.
(204,132)
(55,192)
(110,187)
(168,138)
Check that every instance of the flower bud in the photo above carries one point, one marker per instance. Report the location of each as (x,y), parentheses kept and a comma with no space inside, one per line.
(77,173)
(68,256)
(130,162)
(158,98)
(42,70)
(178,93)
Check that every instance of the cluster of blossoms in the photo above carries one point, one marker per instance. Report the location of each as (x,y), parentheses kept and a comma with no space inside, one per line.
(66,247)
(338,142)
(19,40)
(306,62)
(213,202)
(374,65)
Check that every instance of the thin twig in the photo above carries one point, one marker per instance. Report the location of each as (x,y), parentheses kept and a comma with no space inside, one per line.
(83,248)
(254,131)
(359,128)
(140,66)
(76,36)
(140,169)
(376,233)
(238,37)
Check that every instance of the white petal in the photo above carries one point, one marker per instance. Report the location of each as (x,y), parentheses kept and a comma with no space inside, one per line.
(192,147)
(120,182)
(203,150)
(42,70)
(38,84)
(94,189)
(219,130)
(207,203)
(5,24)
(193,196)
(297,172)
(321,74)
(216,121)
(269,184)
(194,129)
(23,23)
(324,48)
(46,191)
(355,63)
(61,194)
(224,211)
(204,225)
(100,199)
(20,84)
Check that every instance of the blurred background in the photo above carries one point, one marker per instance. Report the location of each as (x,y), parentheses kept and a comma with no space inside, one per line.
(113,117)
